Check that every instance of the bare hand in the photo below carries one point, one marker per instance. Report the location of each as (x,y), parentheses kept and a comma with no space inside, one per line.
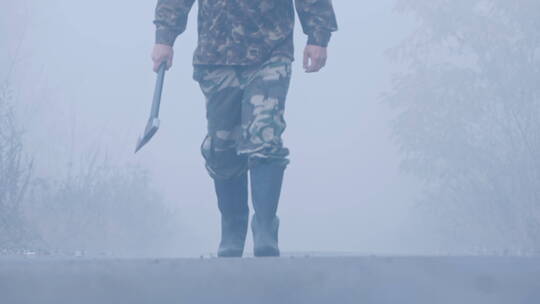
(162,53)
(314,58)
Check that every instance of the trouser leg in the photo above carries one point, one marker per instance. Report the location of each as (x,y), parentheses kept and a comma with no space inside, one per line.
(262,126)
(221,88)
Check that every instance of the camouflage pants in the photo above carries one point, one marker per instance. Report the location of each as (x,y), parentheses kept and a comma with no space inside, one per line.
(244,108)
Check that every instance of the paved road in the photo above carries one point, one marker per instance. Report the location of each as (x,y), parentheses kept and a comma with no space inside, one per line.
(380,280)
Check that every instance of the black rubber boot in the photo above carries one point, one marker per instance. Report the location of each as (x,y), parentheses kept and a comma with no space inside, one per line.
(232,198)
(266,180)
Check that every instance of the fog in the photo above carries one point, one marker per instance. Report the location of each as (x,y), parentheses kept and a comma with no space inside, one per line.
(362,133)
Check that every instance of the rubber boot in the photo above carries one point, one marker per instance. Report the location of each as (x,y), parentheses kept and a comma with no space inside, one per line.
(266,180)
(232,199)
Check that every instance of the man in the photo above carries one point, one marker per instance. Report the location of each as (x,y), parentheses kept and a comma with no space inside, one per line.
(243,66)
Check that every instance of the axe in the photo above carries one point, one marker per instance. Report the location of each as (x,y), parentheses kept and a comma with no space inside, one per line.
(153,121)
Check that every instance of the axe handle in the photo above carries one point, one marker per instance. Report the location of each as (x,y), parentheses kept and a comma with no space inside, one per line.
(156,101)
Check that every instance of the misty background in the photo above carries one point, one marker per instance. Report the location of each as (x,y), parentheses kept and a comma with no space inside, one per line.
(397,147)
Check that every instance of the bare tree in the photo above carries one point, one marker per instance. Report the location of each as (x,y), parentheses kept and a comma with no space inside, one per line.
(101,208)
(15,176)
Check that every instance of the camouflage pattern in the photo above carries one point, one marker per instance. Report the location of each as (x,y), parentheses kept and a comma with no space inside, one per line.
(245,106)
(245,32)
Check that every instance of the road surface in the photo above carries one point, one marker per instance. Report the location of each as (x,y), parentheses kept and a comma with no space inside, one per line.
(380,280)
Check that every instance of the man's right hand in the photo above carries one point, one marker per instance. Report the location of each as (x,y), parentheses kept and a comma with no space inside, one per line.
(162,53)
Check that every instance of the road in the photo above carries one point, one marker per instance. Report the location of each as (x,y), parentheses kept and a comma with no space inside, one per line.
(396,280)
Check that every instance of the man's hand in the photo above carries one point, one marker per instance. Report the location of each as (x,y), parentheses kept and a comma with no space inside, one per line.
(162,53)
(314,58)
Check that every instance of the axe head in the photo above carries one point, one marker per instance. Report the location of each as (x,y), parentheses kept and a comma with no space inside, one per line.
(151,128)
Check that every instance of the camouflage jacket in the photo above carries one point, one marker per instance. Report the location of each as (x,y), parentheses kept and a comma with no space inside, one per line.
(245,32)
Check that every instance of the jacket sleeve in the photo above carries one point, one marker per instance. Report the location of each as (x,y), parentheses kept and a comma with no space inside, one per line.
(318,20)
(171,19)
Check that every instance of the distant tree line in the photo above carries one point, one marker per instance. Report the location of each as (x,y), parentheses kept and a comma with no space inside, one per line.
(469,120)
(96,208)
